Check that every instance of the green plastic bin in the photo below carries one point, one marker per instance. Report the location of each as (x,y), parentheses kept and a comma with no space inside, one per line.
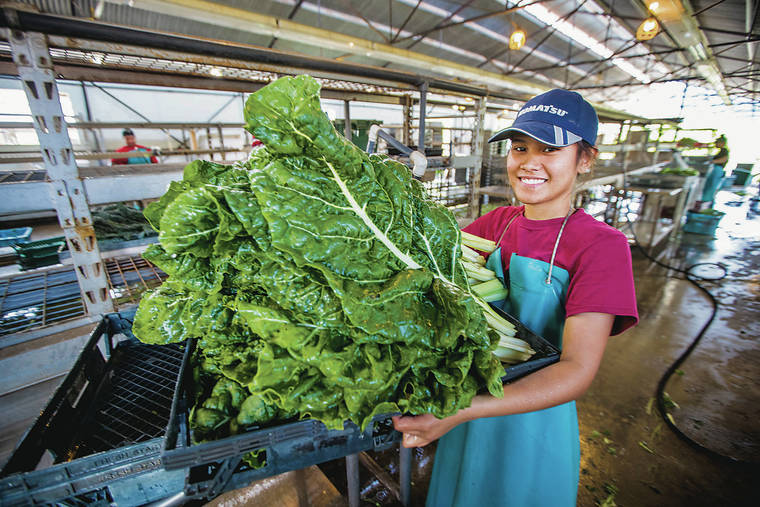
(359,130)
(36,254)
(742,176)
(10,237)
(703,222)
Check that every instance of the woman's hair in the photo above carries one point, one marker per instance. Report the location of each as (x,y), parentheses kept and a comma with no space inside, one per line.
(585,148)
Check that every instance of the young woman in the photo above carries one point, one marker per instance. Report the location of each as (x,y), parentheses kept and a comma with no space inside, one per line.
(570,280)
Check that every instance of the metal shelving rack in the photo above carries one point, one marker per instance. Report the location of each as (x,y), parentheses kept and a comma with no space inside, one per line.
(51,295)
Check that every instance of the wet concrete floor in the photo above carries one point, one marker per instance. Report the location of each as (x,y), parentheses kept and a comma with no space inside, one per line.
(629,456)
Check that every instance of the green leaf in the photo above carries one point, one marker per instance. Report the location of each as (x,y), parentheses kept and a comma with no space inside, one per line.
(322,281)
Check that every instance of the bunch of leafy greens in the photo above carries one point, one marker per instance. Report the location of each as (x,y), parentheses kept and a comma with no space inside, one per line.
(321,280)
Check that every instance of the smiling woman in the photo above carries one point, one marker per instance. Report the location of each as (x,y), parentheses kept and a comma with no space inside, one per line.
(569,279)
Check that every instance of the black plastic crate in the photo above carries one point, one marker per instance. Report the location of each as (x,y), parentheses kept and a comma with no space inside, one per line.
(214,467)
(546,353)
(101,434)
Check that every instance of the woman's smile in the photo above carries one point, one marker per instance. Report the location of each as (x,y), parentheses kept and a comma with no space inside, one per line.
(532,180)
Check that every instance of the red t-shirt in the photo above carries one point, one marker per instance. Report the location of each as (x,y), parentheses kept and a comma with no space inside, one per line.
(596,256)
(135,160)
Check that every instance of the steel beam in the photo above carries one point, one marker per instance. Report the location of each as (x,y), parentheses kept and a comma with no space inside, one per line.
(423,106)
(32,58)
(246,20)
(33,197)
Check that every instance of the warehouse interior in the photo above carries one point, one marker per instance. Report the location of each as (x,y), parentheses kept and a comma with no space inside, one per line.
(671,418)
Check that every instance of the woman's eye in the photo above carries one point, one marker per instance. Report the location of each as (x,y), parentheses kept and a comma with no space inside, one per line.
(550,149)
(518,148)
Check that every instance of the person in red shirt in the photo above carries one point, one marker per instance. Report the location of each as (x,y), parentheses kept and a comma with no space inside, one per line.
(131,145)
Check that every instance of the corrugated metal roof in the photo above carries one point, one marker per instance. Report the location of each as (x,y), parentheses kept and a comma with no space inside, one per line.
(474,33)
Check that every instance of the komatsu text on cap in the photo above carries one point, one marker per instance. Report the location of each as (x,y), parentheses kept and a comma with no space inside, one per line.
(557,118)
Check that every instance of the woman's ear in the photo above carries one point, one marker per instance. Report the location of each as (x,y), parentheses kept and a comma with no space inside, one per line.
(587,159)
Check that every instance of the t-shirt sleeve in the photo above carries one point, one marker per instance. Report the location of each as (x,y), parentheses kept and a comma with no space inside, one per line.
(603,281)
(483,226)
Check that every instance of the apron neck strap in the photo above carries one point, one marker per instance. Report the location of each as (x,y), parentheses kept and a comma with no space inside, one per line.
(548,280)
(507,227)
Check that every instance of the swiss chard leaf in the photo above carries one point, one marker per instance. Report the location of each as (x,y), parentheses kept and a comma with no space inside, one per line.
(322,279)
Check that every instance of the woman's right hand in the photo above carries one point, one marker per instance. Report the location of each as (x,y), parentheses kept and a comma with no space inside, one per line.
(420,430)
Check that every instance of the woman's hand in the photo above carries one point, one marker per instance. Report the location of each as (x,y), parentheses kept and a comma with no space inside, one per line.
(420,430)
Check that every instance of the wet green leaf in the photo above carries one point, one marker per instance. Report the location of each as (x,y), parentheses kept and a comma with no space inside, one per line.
(322,281)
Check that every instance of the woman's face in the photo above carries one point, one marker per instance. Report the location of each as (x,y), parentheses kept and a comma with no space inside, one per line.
(543,176)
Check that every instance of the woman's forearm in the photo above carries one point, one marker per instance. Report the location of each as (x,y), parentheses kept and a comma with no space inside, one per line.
(551,386)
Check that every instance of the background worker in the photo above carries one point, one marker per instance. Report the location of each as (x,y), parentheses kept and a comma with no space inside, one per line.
(131,145)
(570,280)
(714,176)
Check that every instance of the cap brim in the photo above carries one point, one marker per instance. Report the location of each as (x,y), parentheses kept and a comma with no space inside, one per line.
(546,133)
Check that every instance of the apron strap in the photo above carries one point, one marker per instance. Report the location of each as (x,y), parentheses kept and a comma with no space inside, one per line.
(507,227)
(548,280)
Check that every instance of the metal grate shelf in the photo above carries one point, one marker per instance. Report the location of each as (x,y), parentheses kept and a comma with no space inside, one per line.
(129,277)
(42,298)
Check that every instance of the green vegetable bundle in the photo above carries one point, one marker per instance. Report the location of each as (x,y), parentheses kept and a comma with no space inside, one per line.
(680,172)
(118,221)
(321,279)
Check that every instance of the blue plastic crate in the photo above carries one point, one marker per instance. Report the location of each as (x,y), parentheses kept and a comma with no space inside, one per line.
(10,237)
(705,222)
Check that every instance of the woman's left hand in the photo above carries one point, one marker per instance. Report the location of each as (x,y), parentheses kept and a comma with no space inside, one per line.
(420,430)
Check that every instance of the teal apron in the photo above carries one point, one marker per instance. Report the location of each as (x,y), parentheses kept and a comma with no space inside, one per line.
(517,460)
(712,183)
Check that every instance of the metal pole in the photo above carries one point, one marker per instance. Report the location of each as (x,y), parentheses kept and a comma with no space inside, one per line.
(405,474)
(347,116)
(407,125)
(221,140)
(477,148)
(95,133)
(352,477)
(423,105)
(655,155)
(35,68)
(208,140)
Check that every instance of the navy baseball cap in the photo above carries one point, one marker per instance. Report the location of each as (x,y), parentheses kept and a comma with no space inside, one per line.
(557,118)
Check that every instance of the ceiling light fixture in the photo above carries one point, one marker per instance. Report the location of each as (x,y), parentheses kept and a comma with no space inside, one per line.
(666,10)
(517,39)
(648,29)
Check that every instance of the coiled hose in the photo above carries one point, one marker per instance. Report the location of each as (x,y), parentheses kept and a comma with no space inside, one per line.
(660,392)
